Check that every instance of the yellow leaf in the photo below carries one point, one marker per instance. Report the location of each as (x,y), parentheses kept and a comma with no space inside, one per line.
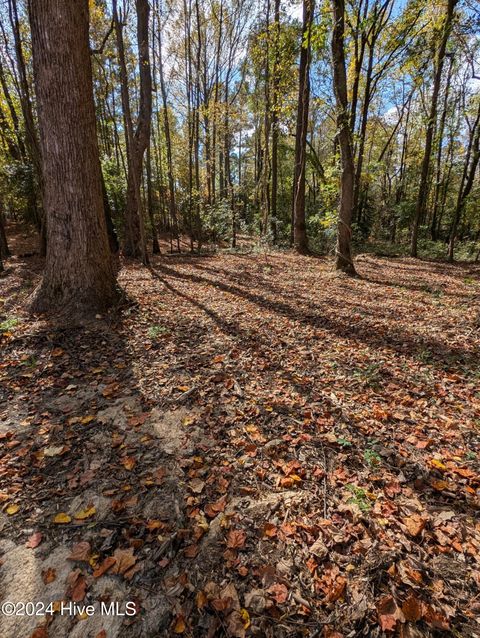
(180,625)
(62,518)
(87,419)
(86,513)
(245,617)
(12,509)
(438,464)
(183,388)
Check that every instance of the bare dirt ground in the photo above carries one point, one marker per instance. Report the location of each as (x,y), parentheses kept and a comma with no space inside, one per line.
(249,445)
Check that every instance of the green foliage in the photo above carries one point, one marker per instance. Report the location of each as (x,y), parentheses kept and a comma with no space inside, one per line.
(8,324)
(359,498)
(156,331)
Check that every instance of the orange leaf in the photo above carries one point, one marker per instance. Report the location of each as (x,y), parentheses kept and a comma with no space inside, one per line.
(279,592)
(49,575)
(236,538)
(180,625)
(104,567)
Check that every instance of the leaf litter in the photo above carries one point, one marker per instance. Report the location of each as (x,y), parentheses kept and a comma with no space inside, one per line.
(293,454)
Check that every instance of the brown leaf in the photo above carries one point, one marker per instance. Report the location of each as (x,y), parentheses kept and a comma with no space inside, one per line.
(81,552)
(191,551)
(124,560)
(236,538)
(235,624)
(337,590)
(180,625)
(49,575)
(412,608)
(212,509)
(104,567)
(79,589)
(269,530)
(414,524)
(389,613)
(129,462)
(39,632)
(197,485)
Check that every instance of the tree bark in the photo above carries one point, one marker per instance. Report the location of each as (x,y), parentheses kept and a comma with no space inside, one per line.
(137,141)
(470,168)
(300,241)
(423,187)
(79,274)
(275,131)
(344,260)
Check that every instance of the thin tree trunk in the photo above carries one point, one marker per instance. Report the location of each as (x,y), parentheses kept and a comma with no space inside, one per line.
(438,172)
(137,141)
(31,137)
(275,131)
(423,187)
(344,260)
(471,163)
(155,244)
(4,249)
(300,240)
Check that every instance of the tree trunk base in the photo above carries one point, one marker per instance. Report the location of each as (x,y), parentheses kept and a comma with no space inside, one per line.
(345,266)
(68,302)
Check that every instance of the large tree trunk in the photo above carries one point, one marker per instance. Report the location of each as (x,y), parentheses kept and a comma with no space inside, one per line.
(300,241)
(79,274)
(344,260)
(423,187)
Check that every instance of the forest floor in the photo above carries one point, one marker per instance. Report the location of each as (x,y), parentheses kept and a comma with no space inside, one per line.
(250,445)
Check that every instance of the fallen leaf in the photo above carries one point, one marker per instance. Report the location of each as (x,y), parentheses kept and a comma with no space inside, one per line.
(279,592)
(53,451)
(49,575)
(412,608)
(34,540)
(180,625)
(86,513)
(12,509)
(81,552)
(62,518)
(128,462)
(79,589)
(124,560)
(104,566)
(415,524)
(389,613)
(197,485)
(191,551)
(236,538)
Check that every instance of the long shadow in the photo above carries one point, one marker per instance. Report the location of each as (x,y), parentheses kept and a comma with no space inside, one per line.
(399,341)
